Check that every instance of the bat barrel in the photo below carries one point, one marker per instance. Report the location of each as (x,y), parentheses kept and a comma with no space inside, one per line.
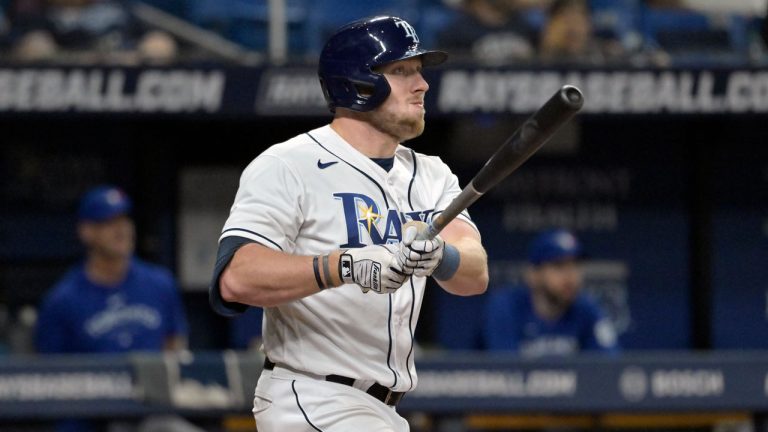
(536,130)
(528,138)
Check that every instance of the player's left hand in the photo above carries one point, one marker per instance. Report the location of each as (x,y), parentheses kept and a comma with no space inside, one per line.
(418,256)
(374,268)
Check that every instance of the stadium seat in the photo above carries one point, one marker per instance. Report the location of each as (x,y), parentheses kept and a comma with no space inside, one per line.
(325,16)
(247,21)
(677,30)
(616,19)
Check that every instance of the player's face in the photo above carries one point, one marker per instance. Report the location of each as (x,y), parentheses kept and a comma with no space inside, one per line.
(114,238)
(402,113)
(560,281)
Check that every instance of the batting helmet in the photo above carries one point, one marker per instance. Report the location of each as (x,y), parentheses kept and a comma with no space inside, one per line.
(348,58)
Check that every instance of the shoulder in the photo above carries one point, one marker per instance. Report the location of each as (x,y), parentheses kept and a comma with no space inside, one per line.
(66,288)
(425,164)
(297,148)
(292,155)
(153,273)
(294,148)
(585,305)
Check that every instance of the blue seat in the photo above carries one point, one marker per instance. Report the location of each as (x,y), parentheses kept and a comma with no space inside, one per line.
(325,16)
(617,19)
(678,30)
(431,21)
(174,7)
(247,21)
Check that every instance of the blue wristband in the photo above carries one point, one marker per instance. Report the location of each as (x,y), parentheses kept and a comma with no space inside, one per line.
(449,265)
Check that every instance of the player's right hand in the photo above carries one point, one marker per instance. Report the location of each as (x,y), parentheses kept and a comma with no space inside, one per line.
(372,268)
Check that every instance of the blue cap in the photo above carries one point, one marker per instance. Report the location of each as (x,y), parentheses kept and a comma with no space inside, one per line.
(103,203)
(554,245)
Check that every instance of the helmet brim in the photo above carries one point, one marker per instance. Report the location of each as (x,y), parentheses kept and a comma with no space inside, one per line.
(428,57)
(434,58)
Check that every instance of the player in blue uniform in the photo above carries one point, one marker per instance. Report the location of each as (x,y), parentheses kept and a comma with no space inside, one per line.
(549,315)
(112,301)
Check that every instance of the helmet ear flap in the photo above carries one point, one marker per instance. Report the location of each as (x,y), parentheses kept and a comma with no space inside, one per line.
(364,91)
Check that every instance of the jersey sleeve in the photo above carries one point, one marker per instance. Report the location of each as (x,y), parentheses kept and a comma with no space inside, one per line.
(267,206)
(227,248)
(500,322)
(451,189)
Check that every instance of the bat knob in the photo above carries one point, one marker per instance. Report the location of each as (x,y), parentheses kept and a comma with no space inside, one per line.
(573,96)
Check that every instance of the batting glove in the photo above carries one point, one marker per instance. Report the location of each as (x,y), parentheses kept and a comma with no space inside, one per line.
(373,268)
(416,255)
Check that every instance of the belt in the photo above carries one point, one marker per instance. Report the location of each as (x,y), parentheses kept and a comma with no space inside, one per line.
(384,394)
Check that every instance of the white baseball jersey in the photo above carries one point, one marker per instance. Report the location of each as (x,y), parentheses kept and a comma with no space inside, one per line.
(314,194)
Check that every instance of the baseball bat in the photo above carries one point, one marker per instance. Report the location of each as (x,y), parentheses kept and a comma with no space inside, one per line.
(523,143)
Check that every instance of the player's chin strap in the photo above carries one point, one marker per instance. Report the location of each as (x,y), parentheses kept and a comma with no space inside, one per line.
(384,394)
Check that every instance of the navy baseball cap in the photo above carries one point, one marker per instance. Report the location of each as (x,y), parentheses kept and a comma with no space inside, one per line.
(554,245)
(103,203)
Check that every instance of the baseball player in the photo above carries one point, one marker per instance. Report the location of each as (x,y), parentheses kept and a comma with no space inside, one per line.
(550,316)
(323,234)
(112,302)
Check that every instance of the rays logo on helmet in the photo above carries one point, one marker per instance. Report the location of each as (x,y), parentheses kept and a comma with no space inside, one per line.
(408,29)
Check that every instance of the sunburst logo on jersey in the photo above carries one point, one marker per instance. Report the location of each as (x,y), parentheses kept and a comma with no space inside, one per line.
(369,216)
(362,215)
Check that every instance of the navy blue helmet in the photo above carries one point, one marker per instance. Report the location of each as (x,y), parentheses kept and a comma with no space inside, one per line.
(347,60)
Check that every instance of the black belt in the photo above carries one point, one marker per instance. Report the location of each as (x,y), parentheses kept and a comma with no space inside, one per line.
(377,390)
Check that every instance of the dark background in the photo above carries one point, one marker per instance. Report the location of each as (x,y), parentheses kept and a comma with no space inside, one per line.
(686,220)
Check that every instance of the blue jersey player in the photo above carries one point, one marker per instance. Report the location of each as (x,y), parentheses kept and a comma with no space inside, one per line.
(111,302)
(549,315)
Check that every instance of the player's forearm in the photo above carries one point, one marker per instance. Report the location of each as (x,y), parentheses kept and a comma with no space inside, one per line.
(471,278)
(259,276)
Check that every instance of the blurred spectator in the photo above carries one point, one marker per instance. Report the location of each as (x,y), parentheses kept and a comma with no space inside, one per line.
(549,315)
(113,301)
(492,32)
(568,36)
(84,31)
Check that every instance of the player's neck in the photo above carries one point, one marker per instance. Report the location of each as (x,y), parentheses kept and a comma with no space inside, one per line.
(365,138)
(106,271)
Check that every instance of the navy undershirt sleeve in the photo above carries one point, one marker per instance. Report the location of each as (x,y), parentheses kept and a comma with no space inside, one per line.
(227,248)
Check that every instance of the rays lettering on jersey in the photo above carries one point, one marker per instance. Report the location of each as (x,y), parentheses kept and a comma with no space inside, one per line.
(364,220)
